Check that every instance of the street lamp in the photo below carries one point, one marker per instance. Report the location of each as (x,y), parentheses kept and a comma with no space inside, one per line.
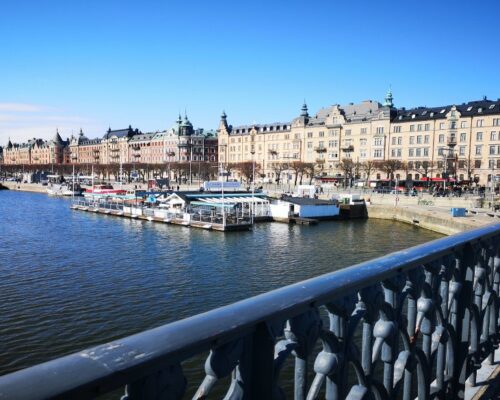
(252,209)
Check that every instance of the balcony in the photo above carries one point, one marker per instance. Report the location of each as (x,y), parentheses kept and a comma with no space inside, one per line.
(320,161)
(451,141)
(114,149)
(320,149)
(348,149)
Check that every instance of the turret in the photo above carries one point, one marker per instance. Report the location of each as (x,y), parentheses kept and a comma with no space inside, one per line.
(388,99)
(223,122)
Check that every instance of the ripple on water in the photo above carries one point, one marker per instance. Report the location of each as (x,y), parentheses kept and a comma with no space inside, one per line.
(69,280)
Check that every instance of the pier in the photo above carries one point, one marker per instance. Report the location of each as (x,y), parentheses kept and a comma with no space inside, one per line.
(210,222)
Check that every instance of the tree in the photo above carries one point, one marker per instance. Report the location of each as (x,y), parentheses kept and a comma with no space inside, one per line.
(309,171)
(368,167)
(278,168)
(389,167)
(246,169)
(298,167)
(346,165)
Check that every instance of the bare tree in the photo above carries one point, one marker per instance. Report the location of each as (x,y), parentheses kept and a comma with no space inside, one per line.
(298,167)
(309,171)
(246,169)
(389,167)
(368,168)
(278,168)
(346,165)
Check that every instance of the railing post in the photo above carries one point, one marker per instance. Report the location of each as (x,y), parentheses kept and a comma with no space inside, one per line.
(262,364)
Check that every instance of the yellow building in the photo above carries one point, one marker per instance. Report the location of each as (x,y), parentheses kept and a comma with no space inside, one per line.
(455,141)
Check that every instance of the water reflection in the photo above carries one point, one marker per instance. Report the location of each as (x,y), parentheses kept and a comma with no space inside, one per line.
(69,280)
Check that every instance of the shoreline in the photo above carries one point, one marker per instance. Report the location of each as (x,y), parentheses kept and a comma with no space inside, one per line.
(434,218)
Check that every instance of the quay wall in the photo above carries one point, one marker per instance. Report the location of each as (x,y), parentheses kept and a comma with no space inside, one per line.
(25,187)
(436,220)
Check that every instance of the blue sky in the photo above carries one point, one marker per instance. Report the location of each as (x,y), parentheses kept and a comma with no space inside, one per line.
(99,63)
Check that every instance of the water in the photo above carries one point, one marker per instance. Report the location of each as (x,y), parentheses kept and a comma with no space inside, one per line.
(70,279)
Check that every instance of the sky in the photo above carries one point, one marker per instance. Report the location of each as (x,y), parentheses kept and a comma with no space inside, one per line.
(94,64)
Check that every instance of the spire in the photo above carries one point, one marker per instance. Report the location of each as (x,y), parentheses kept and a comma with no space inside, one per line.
(389,99)
(81,132)
(57,138)
(223,122)
(9,144)
(303,110)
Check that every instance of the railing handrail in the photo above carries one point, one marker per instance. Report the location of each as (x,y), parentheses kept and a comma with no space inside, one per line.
(114,364)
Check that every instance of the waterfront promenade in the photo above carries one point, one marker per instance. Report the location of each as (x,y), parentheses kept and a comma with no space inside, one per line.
(425,211)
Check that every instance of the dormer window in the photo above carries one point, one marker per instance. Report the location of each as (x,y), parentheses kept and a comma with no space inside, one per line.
(442,111)
(469,108)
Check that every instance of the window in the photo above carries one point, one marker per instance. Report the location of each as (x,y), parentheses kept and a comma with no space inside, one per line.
(412,128)
(309,134)
(321,134)
(479,123)
(400,140)
(412,139)
(411,152)
(377,153)
(426,139)
(362,153)
(419,139)
(347,132)
(332,143)
(378,142)
(418,152)
(478,150)
(393,153)
(479,136)
(427,127)
(363,131)
(493,135)
(496,121)
(363,142)
(394,140)
(492,150)
(309,145)
(380,130)
(477,163)
(463,124)
(463,137)
(461,150)
(441,125)
(397,129)
(426,152)
(441,138)
(398,153)
(419,127)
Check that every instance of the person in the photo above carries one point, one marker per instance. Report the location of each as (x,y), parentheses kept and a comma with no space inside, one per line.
(178,187)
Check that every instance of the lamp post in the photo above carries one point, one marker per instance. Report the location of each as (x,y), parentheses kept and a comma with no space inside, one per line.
(252,209)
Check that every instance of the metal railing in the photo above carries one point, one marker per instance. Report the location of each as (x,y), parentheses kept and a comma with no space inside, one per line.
(416,322)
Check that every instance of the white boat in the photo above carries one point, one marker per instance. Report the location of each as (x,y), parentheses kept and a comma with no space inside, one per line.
(105,190)
(64,189)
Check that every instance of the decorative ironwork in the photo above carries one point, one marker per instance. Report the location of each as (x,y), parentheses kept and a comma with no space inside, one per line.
(415,323)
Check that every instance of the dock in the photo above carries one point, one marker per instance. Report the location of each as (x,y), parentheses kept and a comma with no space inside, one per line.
(207,225)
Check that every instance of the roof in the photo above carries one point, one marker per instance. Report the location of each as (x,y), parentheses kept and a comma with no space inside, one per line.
(120,133)
(472,108)
(305,201)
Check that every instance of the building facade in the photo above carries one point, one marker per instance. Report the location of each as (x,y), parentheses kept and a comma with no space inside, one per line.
(454,141)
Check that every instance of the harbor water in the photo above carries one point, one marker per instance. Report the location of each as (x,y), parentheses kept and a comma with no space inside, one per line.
(70,280)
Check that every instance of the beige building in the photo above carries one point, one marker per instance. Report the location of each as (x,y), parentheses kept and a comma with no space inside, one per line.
(456,141)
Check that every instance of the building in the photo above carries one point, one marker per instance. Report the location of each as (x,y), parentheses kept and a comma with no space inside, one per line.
(454,141)
(38,152)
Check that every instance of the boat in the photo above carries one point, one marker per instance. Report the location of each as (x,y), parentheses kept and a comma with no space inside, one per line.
(64,189)
(103,190)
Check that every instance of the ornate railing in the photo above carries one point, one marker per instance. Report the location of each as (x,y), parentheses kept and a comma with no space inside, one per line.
(415,323)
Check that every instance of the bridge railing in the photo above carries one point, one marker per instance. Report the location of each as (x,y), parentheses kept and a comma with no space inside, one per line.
(414,323)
